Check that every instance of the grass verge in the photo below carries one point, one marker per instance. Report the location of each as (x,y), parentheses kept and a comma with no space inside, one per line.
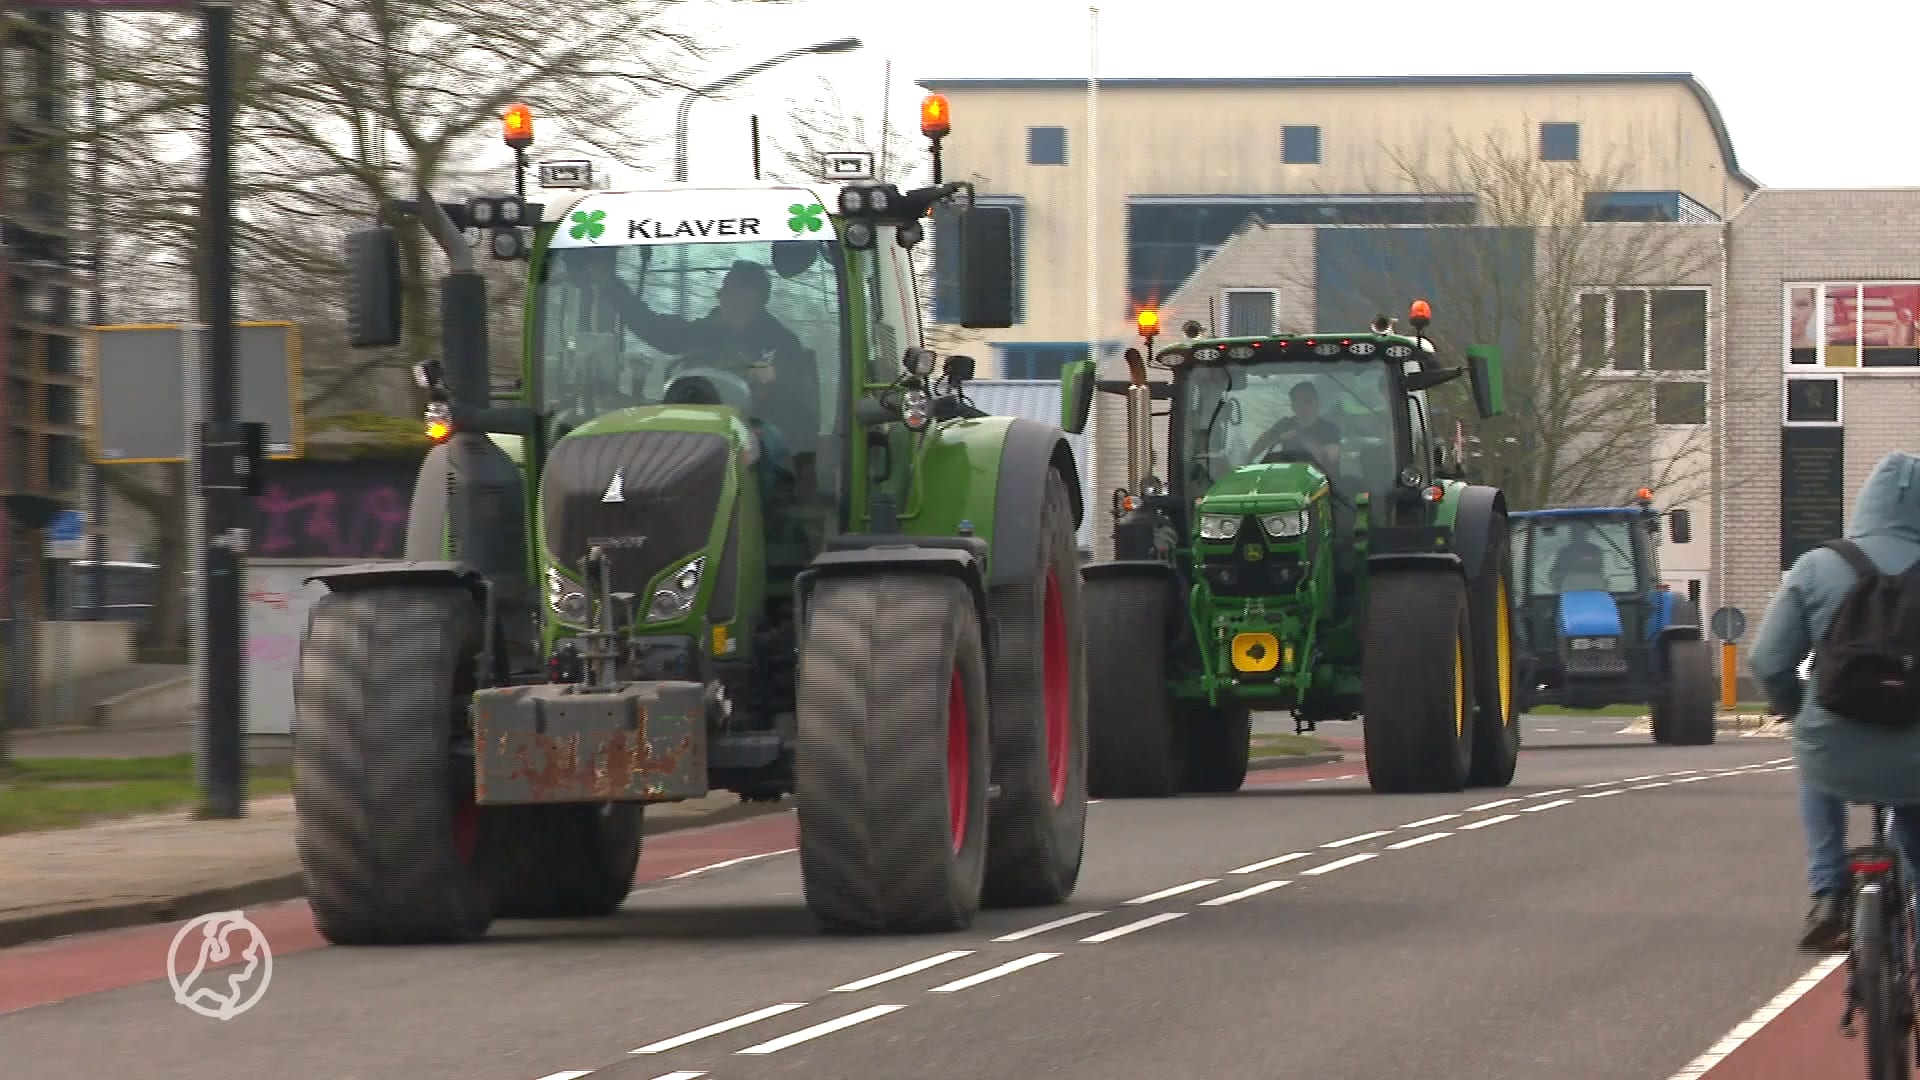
(60,793)
(1631,711)
(1280,744)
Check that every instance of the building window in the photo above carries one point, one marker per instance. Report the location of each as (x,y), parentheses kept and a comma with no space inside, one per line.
(1680,404)
(1853,326)
(1300,144)
(946,258)
(1559,142)
(1046,146)
(1635,330)
(1672,206)
(1042,360)
(1251,312)
(1812,402)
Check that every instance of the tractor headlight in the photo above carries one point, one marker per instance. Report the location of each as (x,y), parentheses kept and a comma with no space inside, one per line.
(1285,525)
(676,594)
(1593,643)
(566,600)
(1219,526)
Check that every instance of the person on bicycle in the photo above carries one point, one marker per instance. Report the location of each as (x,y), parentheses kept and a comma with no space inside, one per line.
(1840,760)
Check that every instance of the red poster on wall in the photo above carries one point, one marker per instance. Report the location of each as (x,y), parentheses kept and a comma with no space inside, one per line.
(1843,314)
(1887,315)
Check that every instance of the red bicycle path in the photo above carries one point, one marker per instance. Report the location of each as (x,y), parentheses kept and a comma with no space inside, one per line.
(1803,1042)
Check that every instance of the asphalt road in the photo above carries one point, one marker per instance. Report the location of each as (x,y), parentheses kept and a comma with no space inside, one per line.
(1606,924)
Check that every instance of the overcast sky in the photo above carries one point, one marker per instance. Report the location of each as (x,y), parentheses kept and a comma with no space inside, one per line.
(1813,96)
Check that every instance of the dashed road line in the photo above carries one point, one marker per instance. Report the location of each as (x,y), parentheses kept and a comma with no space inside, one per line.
(1035,931)
(1254,868)
(1494,805)
(1484,822)
(1650,786)
(576,1074)
(1360,839)
(1602,794)
(808,1034)
(902,971)
(1544,794)
(1765,1015)
(1337,864)
(683,1074)
(1256,890)
(1175,891)
(1537,807)
(723,1026)
(1425,821)
(1417,841)
(730,862)
(1133,927)
(993,973)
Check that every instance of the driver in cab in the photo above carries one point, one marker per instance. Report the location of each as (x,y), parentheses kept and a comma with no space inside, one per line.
(1306,431)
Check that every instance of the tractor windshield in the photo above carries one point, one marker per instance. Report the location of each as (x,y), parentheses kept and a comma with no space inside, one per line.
(1581,555)
(755,325)
(1335,413)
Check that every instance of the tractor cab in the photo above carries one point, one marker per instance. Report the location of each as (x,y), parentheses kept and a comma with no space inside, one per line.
(1592,611)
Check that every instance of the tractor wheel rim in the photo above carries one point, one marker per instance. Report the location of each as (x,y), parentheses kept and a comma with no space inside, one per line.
(1058,688)
(1459,690)
(1503,651)
(466,828)
(959,760)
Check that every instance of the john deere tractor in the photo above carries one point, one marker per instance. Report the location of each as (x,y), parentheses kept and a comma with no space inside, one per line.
(1314,549)
(729,532)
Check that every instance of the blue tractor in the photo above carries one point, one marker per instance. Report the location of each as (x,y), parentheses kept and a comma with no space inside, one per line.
(1597,626)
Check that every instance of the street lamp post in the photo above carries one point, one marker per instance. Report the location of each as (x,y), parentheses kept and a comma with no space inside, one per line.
(837,45)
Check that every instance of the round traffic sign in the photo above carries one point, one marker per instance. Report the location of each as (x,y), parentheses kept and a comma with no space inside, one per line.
(1729,623)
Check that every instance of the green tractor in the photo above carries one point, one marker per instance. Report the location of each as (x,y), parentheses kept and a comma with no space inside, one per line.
(1315,549)
(729,532)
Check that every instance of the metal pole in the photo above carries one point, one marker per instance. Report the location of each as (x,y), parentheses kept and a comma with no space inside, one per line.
(755,136)
(223,776)
(717,85)
(96,487)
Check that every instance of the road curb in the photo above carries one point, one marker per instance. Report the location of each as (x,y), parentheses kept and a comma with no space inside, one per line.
(1721,722)
(1295,761)
(39,926)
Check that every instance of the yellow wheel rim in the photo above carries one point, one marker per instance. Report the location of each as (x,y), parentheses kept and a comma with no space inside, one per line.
(1503,651)
(1459,689)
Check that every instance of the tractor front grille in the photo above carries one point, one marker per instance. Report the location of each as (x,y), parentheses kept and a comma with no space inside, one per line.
(1268,573)
(669,485)
(1593,656)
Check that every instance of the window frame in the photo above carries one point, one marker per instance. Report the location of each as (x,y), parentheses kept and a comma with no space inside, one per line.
(1839,403)
(1316,154)
(1226,309)
(1033,133)
(1820,302)
(1559,128)
(1648,371)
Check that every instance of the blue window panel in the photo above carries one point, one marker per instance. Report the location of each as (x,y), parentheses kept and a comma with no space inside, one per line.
(1560,142)
(1037,359)
(946,258)
(1046,146)
(1647,206)
(1300,144)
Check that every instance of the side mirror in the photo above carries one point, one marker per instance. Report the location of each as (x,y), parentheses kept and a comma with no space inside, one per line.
(1680,526)
(920,362)
(1489,380)
(373,288)
(959,369)
(986,268)
(1076,395)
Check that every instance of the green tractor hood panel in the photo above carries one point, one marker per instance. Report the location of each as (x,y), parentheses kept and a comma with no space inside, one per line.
(1253,488)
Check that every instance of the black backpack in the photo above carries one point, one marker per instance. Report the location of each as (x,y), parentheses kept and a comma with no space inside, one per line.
(1867,666)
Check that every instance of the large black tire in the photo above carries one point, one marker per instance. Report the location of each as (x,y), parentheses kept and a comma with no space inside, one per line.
(566,861)
(1219,742)
(1036,837)
(1496,698)
(1684,714)
(385,827)
(1134,746)
(1415,689)
(893,753)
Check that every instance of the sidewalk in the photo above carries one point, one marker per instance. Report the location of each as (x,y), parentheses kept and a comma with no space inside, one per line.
(150,717)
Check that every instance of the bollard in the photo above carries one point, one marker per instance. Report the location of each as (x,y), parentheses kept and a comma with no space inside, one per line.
(1729,675)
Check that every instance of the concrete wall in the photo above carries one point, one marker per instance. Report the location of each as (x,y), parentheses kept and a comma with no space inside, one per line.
(95,648)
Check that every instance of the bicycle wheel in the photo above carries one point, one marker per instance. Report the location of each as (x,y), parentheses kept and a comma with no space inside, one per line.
(1876,979)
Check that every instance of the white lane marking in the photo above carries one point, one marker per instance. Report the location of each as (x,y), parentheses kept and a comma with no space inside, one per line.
(774,1046)
(992,973)
(1778,760)
(1425,821)
(1034,931)
(1599,784)
(903,971)
(1348,776)
(1544,794)
(1337,864)
(1093,802)
(1362,838)
(1781,768)
(1680,772)
(1256,890)
(1254,868)
(1692,779)
(1417,841)
(1637,779)
(1602,794)
(1765,1015)
(1484,822)
(683,1074)
(1317,779)
(1175,891)
(1123,931)
(576,1074)
(1655,784)
(1537,807)
(1549,729)
(730,862)
(714,1029)
(1495,804)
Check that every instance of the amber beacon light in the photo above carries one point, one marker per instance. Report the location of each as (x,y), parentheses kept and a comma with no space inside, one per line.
(936,120)
(1147,322)
(516,126)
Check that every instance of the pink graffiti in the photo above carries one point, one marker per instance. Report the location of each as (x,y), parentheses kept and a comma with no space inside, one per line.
(273,649)
(274,600)
(369,523)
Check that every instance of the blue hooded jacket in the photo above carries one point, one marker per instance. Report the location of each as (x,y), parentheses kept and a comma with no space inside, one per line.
(1840,757)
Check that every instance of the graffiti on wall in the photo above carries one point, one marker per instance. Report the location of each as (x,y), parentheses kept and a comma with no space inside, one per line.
(347,510)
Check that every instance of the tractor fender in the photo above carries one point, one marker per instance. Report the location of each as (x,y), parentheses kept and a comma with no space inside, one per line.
(1435,561)
(1675,619)
(373,575)
(1178,629)
(1473,525)
(960,557)
(1031,449)
(427,518)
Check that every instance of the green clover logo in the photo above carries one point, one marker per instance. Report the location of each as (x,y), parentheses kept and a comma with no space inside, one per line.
(588,224)
(807,218)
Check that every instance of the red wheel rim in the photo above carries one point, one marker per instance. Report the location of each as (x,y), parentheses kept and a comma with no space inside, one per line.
(466,828)
(959,757)
(1056,695)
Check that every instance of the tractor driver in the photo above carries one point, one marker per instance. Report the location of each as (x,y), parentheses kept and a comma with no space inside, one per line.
(1580,566)
(1305,431)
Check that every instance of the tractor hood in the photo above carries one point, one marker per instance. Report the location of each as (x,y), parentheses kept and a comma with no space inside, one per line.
(1257,489)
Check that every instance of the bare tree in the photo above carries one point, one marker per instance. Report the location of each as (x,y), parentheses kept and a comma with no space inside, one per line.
(1603,324)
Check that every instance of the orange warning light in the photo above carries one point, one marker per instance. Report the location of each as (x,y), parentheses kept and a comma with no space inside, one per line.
(516,126)
(1147,322)
(1420,314)
(935,118)
(439,423)
(1644,494)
